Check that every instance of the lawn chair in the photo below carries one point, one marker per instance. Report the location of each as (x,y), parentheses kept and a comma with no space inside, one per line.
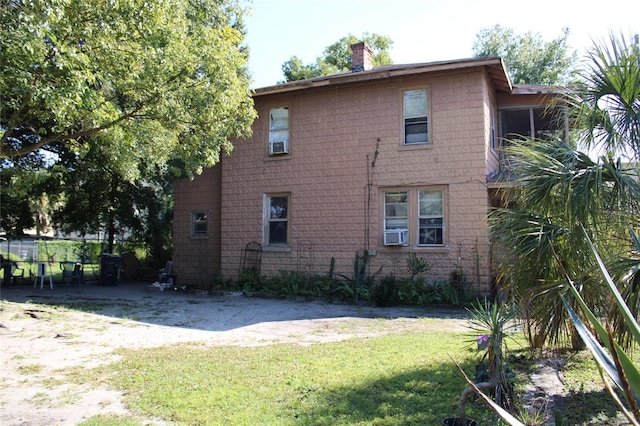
(71,273)
(42,273)
(166,274)
(166,279)
(12,272)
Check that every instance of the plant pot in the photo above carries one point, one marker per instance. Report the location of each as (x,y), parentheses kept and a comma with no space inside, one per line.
(456,421)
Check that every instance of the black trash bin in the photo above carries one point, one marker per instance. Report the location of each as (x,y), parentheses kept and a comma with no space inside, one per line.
(109,269)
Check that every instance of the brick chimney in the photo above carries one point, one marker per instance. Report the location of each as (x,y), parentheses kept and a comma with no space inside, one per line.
(362,59)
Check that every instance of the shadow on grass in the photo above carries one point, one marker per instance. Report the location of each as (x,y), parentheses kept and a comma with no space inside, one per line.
(421,397)
(592,408)
(305,387)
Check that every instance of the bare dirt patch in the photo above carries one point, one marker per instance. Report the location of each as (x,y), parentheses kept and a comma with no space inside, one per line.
(42,332)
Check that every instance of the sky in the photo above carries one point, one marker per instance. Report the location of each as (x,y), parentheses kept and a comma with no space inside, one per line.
(422,30)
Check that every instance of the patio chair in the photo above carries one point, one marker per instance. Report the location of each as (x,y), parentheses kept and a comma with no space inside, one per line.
(71,273)
(42,273)
(166,279)
(12,272)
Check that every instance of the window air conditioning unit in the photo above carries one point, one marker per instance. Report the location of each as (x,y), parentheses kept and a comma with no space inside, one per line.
(278,148)
(396,237)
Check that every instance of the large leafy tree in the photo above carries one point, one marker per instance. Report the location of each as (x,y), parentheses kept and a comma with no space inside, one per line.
(158,79)
(562,190)
(97,198)
(529,59)
(337,57)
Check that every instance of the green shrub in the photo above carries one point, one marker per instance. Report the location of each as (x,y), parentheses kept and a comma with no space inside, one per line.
(385,291)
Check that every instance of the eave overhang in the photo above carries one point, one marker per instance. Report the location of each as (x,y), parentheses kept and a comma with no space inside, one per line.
(494,67)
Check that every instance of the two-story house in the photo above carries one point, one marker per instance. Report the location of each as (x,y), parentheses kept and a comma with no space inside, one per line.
(395,160)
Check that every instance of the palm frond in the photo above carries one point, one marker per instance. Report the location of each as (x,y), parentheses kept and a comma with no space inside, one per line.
(607,105)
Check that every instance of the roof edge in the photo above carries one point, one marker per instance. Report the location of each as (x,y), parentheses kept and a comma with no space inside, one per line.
(387,71)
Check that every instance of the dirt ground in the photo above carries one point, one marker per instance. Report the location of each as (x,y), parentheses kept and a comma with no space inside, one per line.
(40,337)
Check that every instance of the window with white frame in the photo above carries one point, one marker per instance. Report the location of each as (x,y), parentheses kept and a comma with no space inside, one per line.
(279,131)
(199,226)
(416,123)
(277,220)
(414,216)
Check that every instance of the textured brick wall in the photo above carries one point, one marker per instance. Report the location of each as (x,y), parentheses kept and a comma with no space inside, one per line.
(197,259)
(333,130)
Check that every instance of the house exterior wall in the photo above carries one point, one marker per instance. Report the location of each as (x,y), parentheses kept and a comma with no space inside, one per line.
(335,193)
(197,258)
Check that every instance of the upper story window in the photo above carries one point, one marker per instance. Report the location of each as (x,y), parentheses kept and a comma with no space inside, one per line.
(279,131)
(199,226)
(416,123)
(277,220)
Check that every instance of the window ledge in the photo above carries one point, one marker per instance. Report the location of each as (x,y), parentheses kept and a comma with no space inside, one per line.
(199,237)
(414,249)
(277,157)
(276,248)
(415,146)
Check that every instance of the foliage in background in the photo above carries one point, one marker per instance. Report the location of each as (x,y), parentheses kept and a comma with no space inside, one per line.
(96,197)
(16,213)
(529,59)
(72,251)
(338,58)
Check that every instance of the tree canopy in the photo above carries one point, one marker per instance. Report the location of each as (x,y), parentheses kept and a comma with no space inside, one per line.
(337,57)
(158,79)
(529,59)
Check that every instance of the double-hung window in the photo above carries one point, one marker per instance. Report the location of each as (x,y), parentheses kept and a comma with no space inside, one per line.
(414,217)
(430,217)
(415,117)
(277,220)
(396,218)
(279,131)
(199,225)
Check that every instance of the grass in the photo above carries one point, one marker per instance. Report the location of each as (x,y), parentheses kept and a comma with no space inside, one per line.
(401,379)
(392,380)
(111,420)
(587,401)
(30,368)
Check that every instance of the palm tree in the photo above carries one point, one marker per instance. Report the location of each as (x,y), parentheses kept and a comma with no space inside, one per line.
(561,189)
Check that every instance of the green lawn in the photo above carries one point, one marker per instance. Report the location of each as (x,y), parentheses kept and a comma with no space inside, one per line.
(402,379)
(394,380)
